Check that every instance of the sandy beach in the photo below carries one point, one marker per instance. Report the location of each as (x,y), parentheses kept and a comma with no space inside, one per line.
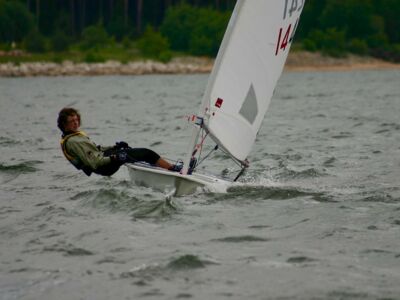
(310,61)
(297,61)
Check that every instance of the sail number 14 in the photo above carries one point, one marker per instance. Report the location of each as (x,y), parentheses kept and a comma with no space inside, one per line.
(285,37)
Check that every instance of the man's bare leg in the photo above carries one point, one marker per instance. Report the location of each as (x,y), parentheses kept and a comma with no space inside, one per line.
(162,163)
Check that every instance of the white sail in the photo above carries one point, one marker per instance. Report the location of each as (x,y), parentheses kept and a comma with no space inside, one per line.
(248,66)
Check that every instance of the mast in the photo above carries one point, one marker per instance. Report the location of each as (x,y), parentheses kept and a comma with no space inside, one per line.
(206,97)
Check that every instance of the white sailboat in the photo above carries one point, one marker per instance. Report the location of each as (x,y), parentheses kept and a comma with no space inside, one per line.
(248,65)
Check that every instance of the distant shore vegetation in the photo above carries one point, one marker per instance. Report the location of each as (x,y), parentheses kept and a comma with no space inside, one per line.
(127,30)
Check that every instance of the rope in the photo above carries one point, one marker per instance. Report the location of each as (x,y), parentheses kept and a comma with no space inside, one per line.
(205,157)
(199,147)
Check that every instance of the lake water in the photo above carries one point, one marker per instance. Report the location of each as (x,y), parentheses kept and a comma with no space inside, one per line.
(317,215)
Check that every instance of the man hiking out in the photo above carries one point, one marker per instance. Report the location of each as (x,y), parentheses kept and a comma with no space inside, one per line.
(85,155)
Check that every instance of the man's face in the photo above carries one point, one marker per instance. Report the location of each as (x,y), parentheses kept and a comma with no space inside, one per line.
(72,124)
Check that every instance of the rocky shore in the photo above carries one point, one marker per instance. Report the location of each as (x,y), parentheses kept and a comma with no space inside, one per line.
(297,61)
(68,68)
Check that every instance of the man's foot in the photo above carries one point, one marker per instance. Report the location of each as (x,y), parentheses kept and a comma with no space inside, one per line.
(179,166)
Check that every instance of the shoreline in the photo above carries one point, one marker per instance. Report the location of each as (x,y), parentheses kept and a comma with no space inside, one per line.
(303,61)
(298,61)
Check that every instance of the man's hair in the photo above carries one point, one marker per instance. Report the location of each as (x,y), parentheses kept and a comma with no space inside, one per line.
(63,116)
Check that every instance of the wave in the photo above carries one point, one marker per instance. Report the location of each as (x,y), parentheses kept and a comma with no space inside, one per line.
(10,172)
(52,212)
(343,135)
(188,261)
(6,141)
(273,193)
(303,174)
(67,249)
(146,273)
(384,196)
(182,262)
(242,238)
(22,168)
(108,199)
(300,260)
(388,127)
(155,209)
(319,95)
(329,162)
(282,158)
(113,200)
(285,168)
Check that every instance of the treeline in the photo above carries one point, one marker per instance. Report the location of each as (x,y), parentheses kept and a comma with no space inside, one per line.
(119,17)
(157,27)
(336,27)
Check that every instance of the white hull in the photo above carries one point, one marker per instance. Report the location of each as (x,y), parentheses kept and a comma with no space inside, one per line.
(174,182)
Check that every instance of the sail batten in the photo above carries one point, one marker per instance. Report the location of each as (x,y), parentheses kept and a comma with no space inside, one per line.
(247,68)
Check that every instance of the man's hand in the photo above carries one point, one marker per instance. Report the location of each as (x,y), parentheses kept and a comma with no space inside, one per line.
(120,157)
(121,145)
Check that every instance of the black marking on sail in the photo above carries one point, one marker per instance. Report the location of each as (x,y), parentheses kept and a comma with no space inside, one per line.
(249,109)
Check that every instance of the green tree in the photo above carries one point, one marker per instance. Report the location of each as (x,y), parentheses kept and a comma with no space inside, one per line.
(310,17)
(94,36)
(368,26)
(208,32)
(60,41)
(353,16)
(35,42)
(358,46)
(178,25)
(152,44)
(195,30)
(15,21)
(117,28)
(389,11)
(331,41)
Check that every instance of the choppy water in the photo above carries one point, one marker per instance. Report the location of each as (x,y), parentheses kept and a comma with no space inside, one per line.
(318,215)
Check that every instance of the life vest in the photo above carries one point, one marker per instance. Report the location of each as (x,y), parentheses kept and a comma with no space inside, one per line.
(76,162)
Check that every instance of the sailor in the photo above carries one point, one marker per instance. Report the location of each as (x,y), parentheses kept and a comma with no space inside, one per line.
(85,155)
